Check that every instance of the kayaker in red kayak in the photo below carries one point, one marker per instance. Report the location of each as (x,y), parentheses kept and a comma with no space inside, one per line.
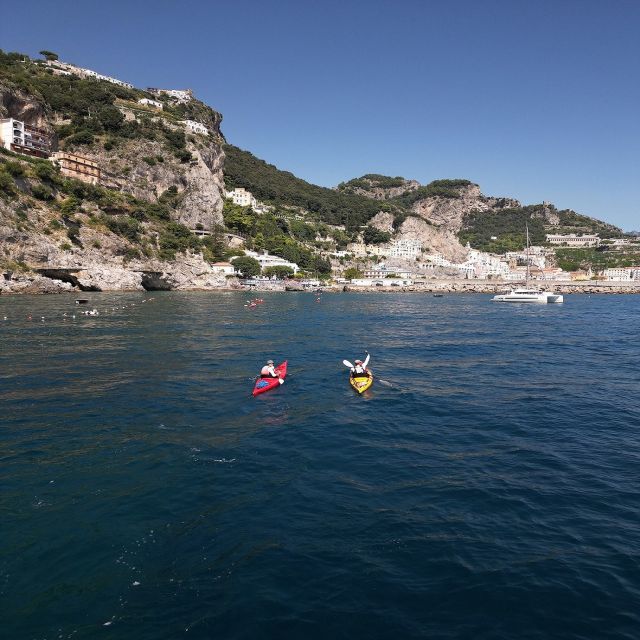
(268,371)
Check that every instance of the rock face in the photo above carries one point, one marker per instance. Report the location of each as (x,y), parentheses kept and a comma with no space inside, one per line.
(144,168)
(434,239)
(447,213)
(21,106)
(436,220)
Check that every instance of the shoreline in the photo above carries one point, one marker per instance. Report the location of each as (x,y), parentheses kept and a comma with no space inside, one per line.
(47,286)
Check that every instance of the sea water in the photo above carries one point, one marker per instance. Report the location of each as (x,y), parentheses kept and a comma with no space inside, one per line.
(486,486)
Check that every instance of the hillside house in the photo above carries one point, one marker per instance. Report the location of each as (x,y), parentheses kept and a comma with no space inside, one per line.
(181,95)
(155,104)
(223,267)
(196,127)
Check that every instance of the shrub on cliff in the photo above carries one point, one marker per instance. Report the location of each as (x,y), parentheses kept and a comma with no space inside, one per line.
(110,118)
(371,235)
(174,238)
(280,272)
(124,226)
(7,184)
(81,138)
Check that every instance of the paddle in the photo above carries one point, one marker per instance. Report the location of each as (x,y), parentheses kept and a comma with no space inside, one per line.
(346,363)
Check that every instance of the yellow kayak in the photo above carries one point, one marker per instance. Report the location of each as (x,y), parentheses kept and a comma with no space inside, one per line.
(361,383)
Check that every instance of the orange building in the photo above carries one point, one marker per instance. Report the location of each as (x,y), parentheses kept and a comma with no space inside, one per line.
(78,167)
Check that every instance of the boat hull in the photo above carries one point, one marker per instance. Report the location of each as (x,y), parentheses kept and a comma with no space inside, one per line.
(263,385)
(540,298)
(361,383)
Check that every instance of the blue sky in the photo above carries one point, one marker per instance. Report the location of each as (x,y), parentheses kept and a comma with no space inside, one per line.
(534,100)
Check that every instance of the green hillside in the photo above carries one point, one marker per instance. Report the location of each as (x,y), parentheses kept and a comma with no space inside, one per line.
(274,186)
(508,227)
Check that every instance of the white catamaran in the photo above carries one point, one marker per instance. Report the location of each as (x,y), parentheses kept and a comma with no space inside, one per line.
(525,294)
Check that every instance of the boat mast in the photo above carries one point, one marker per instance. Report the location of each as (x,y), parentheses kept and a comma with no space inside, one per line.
(526,226)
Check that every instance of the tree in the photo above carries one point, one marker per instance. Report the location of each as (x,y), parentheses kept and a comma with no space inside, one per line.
(352,273)
(238,218)
(111,118)
(371,235)
(247,266)
(49,55)
(280,272)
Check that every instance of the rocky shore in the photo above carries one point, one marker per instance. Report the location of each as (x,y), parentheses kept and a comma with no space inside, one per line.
(192,273)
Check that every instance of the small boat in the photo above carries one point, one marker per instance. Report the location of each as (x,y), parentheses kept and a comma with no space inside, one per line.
(266,384)
(438,295)
(82,301)
(361,383)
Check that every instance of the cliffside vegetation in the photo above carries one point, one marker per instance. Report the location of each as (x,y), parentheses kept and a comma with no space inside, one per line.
(45,202)
(441,188)
(598,259)
(370,181)
(508,227)
(278,235)
(274,186)
(88,110)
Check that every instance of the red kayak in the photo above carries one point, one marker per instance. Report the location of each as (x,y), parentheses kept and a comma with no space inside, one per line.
(265,384)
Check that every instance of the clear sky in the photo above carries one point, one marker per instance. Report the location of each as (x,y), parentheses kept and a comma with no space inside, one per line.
(538,100)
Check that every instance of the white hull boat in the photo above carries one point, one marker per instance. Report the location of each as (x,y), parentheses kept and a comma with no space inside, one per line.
(529,295)
(525,294)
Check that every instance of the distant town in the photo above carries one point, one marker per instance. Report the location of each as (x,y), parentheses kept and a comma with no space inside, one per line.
(405,260)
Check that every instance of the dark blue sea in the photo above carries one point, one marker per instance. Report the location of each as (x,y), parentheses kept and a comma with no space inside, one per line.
(486,487)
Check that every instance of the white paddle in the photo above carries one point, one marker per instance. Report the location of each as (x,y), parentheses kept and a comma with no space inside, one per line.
(346,363)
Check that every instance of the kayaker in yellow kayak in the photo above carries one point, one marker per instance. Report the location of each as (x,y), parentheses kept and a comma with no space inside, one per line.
(359,368)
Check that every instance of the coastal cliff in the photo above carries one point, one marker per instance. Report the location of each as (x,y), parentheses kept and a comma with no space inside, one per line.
(149,217)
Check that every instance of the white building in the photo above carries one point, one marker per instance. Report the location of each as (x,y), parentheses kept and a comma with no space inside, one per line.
(484,265)
(404,248)
(267,260)
(196,127)
(572,240)
(22,138)
(151,103)
(438,260)
(382,272)
(624,274)
(181,95)
(223,267)
(241,197)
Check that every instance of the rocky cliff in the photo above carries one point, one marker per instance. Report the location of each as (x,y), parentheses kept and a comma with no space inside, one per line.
(159,181)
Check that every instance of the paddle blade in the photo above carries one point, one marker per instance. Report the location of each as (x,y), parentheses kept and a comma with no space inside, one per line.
(346,363)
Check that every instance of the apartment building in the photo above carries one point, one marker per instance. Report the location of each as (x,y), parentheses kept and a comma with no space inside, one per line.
(20,137)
